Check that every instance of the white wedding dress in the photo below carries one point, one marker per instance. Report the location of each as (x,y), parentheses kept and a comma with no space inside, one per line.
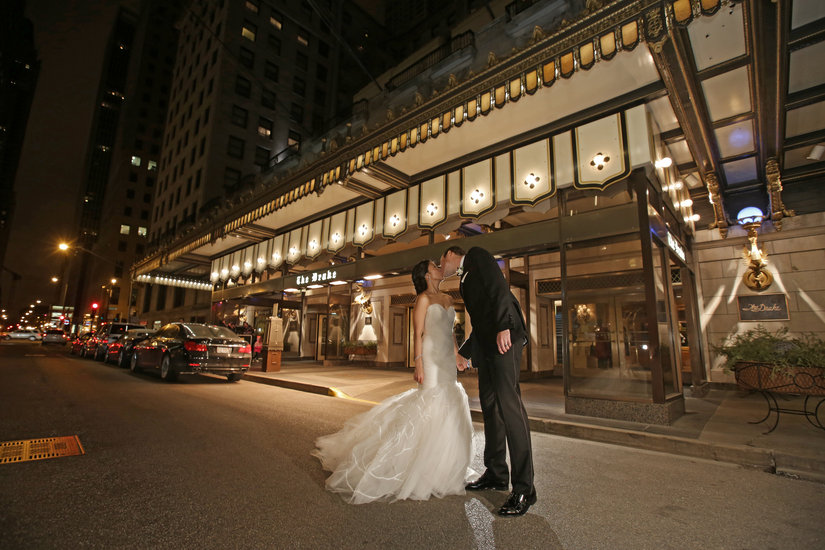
(412,445)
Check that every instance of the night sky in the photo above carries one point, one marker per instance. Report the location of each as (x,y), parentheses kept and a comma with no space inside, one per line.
(70,38)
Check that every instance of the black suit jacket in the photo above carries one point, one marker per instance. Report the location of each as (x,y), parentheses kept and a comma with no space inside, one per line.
(491,305)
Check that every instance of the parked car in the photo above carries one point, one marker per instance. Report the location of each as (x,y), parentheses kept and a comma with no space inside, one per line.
(76,342)
(24,334)
(54,336)
(120,351)
(98,345)
(186,348)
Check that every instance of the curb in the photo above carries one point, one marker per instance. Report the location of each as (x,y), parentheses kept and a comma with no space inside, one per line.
(767,460)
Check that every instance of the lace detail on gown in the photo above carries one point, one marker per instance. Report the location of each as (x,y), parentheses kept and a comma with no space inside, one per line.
(413,445)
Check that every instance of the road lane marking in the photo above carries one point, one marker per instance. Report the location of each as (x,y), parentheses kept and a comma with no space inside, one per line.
(25,450)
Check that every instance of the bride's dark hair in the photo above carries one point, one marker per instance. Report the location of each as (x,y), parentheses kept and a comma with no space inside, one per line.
(419,278)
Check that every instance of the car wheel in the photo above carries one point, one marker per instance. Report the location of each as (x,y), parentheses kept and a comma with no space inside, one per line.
(32,338)
(82,353)
(121,359)
(133,364)
(166,371)
(234,377)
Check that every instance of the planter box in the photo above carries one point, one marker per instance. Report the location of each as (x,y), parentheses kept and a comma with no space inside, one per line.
(795,380)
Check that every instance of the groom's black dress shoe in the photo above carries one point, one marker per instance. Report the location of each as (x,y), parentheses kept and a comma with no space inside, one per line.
(517,504)
(483,483)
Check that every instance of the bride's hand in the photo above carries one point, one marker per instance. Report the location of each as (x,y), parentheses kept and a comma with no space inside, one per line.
(460,362)
(418,376)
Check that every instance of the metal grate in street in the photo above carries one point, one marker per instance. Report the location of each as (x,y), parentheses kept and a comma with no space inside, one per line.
(39,449)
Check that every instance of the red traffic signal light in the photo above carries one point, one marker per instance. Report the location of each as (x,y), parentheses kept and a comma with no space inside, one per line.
(95,305)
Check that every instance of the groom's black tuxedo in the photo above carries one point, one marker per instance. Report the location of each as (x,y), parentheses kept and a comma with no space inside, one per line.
(493,308)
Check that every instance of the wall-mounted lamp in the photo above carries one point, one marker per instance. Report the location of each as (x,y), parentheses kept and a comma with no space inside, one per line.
(336,238)
(363,229)
(756,277)
(395,220)
(476,196)
(664,162)
(432,209)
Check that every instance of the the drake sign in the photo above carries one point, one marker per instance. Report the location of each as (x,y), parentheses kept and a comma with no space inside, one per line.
(316,277)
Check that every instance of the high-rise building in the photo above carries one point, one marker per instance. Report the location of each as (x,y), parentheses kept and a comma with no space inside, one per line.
(252,81)
(19,68)
(123,230)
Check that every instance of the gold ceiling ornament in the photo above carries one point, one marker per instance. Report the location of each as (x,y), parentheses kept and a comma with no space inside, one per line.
(715,198)
(492,60)
(452,81)
(538,35)
(778,210)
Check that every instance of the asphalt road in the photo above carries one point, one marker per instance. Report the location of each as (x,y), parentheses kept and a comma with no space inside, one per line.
(204,463)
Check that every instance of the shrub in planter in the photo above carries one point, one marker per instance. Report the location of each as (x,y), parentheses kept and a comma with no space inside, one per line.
(360,348)
(775,361)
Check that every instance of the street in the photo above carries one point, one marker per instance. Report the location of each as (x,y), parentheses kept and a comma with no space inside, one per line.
(204,463)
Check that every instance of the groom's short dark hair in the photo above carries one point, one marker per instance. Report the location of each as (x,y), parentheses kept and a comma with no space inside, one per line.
(456,250)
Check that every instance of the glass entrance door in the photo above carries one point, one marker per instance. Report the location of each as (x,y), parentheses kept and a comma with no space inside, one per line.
(321,343)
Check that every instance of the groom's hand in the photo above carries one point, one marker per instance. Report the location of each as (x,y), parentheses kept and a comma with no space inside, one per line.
(460,362)
(503,341)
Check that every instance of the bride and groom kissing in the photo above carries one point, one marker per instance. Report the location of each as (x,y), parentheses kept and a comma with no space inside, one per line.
(418,444)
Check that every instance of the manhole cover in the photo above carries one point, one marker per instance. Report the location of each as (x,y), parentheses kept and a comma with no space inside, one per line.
(40,449)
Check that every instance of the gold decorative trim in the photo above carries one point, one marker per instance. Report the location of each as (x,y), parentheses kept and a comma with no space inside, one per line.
(777,210)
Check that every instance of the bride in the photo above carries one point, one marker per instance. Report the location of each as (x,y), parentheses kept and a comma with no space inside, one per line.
(418,443)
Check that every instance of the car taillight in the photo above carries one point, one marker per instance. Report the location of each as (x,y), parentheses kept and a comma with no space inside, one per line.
(246,349)
(193,346)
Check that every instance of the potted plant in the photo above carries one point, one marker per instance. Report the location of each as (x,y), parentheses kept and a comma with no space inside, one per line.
(775,361)
(360,347)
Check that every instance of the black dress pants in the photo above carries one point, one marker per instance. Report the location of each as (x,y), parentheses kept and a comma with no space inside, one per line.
(505,420)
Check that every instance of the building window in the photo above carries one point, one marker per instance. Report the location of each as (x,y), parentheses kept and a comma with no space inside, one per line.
(121,246)
(323,49)
(274,44)
(262,156)
(243,87)
(147,198)
(239,116)
(132,177)
(303,37)
(135,161)
(321,73)
(249,30)
(144,214)
(271,71)
(125,229)
(142,231)
(294,140)
(246,57)
(130,193)
(268,98)
(301,61)
(152,165)
(235,147)
(252,5)
(320,97)
(127,211)
(299,86)
(296,113)
(275,20)
(264,127)
(231,177)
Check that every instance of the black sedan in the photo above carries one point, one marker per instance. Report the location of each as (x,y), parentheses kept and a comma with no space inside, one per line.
(119,352)
(186,348)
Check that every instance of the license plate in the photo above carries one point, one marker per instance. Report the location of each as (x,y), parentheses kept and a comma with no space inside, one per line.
(223,350)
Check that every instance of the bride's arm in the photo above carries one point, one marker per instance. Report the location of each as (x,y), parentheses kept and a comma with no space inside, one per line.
(419,313)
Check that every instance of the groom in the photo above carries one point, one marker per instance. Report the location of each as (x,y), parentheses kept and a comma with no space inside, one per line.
(495,346)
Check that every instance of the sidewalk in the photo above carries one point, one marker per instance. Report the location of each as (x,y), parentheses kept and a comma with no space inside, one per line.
(715,427)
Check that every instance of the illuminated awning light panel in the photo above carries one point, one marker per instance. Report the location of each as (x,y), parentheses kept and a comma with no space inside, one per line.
(176,281)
